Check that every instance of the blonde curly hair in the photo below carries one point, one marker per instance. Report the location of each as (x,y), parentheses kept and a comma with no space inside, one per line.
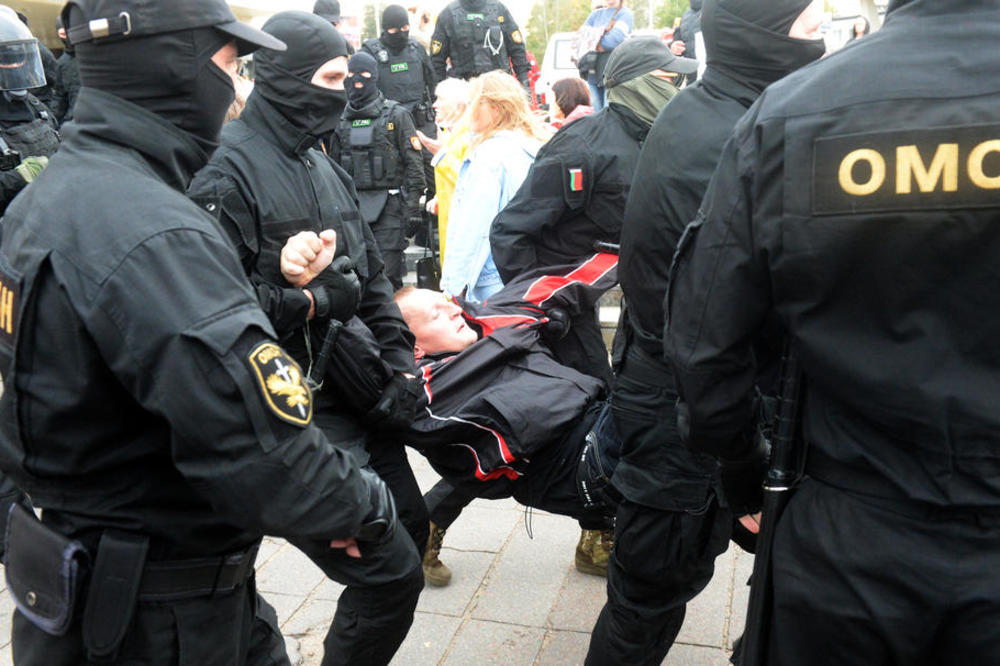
(509,103)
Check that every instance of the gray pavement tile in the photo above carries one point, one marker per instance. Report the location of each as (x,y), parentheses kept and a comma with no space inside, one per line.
(579,603)
(705,621)
(467,573)
(328,589)
(494,643)
(285,605)
(563,648)
(695,655)
(289,571)
(741,596)
(311,648)
(527,577)
(313,616)
(268,547)
(482,530)
(429,637)
(6,658)
(6,616)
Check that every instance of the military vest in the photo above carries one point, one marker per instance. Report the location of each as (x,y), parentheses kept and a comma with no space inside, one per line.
(479,43)
(369,150)
(400,76)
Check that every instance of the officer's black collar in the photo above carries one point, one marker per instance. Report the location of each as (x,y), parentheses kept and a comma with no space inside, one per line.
(715,81)
(633,125)
(171,151)
(263,117)
(372,109)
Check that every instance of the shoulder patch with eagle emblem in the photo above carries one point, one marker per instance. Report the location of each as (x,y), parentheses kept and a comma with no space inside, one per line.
(281,384)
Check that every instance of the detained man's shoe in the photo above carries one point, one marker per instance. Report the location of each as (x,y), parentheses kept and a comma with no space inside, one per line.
(593,551)
(435,571)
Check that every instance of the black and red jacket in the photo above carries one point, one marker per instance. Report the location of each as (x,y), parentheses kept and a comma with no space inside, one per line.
(486,410)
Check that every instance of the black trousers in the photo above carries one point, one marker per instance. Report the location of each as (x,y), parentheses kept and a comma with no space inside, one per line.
(859,580)
(225,630)
(549,483)
(390,236)
(389,461)
(661,561)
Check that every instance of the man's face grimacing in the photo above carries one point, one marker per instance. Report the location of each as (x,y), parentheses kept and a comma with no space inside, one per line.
(436,322)
(331,74)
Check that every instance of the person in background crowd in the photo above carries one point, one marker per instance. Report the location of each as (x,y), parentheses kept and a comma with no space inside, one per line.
(46,94)
(686,37)
(405,75)
(377,145)
(884,288)
(330,11)
(28,128)
(506,135)
(68,76)
(478,36)
(859,29)
(672,515)
(617,23)
(448,150)
(421,25)
(572,101)
(269,187)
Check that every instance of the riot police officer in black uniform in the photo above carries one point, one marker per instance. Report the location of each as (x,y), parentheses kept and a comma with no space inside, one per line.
(68,76)
(267,183)
(147,408)
(478,36)
(405,74)
(330,10)
(28,135)
(377,145)
(672,515)
(867,222)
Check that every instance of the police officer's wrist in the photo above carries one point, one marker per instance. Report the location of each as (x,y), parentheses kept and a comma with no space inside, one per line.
(320,303)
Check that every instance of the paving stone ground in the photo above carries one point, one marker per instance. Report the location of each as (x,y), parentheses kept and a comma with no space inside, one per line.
(515,599)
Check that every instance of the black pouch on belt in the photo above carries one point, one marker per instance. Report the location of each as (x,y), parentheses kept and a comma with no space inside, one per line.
(44,571)
(114,590)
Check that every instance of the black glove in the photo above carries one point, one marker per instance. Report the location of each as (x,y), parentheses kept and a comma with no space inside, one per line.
(340,294)
(743,479)
(414,223)
(557,326)
(380,523)
(397,406)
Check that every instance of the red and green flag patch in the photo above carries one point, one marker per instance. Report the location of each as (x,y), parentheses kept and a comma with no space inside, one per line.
(576,180)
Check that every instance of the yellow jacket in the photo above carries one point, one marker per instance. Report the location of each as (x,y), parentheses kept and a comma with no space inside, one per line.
(447,163)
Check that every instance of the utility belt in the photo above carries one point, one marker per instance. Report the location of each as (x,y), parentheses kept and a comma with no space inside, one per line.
(643,367)
(49,574)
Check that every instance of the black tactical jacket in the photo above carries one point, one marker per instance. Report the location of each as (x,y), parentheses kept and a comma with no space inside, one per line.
(378,147)
(461,34)
(69,86)
(405,77)
(867,220)
(132,398)
(34,135)
(267,183)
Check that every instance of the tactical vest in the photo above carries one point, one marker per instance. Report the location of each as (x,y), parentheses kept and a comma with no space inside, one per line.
(400,76)
(479,44)
(369,150)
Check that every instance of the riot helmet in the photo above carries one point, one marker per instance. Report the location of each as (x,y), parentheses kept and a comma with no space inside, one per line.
(20,60)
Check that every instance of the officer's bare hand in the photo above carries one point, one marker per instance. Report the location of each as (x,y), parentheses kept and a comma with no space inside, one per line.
(433,145)
(306,254)
(751,522)
(350,546)
(677,47)
(432,206)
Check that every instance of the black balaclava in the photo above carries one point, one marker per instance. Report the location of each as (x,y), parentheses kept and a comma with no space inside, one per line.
(170,74)
(359,97)
(395,16)
(749,41)
(328,9)
(285,79)
(696,5)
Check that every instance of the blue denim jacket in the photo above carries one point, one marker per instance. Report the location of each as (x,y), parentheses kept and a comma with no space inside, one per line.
(489,177)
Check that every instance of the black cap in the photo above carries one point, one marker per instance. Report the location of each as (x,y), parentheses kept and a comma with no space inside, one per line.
(127,19)
(640,55)
(328,9)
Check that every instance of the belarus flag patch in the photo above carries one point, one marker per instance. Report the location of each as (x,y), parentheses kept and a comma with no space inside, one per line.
(576,180)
